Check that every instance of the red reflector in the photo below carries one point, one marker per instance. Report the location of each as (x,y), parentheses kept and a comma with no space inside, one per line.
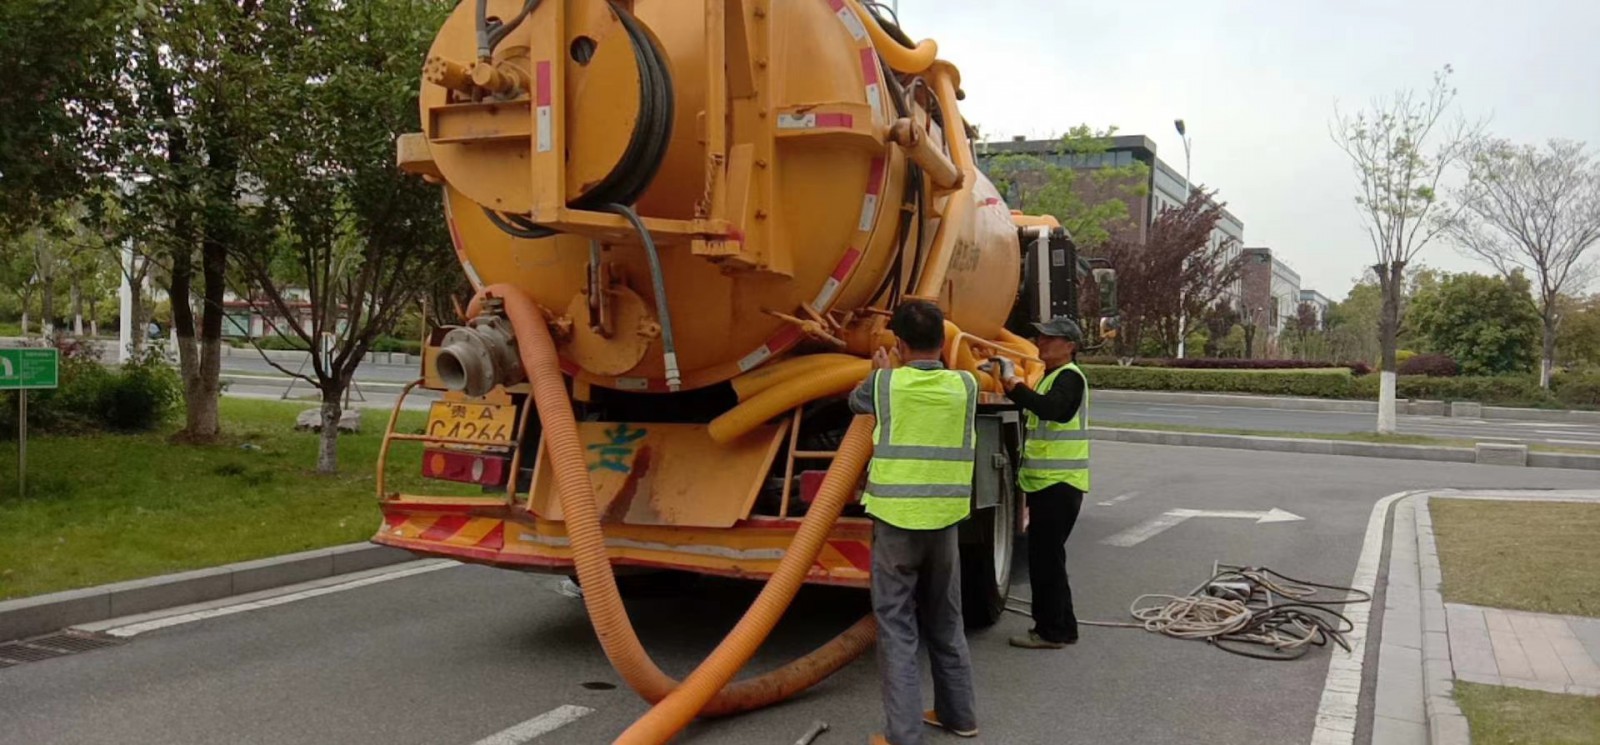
(811,484)
(469,468)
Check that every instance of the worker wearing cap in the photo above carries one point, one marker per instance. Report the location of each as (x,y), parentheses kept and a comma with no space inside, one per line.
(919,486)
(1055,475)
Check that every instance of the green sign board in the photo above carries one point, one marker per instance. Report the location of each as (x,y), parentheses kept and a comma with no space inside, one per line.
(29,368)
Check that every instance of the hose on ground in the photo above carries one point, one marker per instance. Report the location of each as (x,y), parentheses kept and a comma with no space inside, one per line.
(1250,611)
(704,691)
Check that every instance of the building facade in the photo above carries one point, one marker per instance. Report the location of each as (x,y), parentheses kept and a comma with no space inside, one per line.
(1319,302)
(1165,187)
(1271,295)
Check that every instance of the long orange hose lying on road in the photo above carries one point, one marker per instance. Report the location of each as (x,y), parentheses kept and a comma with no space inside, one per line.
(703,692)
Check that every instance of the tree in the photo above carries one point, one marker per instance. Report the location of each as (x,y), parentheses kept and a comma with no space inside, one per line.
(1400,152)
(1304,324)
(1091,202)
(193,70)
(1219,321)
(1167,284)
(364,240)
(1488,325)
(60,78)
(1578,342)
(1536,210)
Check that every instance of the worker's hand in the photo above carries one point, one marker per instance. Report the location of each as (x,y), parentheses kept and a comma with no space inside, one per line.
(880,359)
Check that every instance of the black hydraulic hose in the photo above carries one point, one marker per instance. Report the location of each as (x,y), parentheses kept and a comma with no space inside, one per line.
(659,285)
(500,32)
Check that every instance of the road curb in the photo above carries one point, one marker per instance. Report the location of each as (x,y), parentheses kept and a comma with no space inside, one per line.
(1411,407)
(42,614)
(1433,453)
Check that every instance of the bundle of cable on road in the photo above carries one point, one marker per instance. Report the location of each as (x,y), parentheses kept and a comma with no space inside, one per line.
(1250,611)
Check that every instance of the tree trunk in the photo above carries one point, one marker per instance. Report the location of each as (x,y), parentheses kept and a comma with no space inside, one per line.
(328,450)
(94,316)
(1547,361)
(47,307)
(77,307)
(1388,332)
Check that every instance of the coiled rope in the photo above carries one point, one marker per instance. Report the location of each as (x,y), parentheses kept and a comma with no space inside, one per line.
(1250,611)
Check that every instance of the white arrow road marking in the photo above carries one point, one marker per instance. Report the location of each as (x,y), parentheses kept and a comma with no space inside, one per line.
(1119,498)
(5,364)
(543,724)
(1149,529)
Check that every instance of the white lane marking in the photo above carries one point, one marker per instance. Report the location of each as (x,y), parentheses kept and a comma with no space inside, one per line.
(1341,690)
(543,724)
(1149,529)
(1119,498)
(1574,442)
(135,629)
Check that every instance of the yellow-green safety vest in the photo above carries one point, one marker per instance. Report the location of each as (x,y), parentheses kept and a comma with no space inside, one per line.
(1057,452)
(923,447)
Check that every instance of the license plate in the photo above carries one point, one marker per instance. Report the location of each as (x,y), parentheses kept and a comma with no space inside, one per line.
(490,424)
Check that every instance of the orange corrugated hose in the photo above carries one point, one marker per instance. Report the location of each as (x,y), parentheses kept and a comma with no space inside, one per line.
(704,691)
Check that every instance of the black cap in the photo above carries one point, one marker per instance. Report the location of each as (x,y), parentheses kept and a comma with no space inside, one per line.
(1063,327)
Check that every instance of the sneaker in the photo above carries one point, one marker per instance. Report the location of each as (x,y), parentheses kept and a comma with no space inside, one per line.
(1032,640)
(932,717)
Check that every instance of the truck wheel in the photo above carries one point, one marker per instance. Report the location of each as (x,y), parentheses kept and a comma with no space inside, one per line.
(986,562)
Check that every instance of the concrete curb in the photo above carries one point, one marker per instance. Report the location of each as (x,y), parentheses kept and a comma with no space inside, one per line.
(1408,407)
(1446,724)
(1436,454)
(42,614)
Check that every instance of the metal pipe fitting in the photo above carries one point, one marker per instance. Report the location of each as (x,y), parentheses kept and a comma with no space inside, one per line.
(477,357)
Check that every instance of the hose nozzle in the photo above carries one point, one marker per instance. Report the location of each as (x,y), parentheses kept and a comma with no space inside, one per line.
(480,355)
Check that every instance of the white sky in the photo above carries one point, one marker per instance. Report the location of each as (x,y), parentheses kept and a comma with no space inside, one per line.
(1256,82)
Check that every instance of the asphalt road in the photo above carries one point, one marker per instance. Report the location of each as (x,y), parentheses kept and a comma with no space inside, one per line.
(459,654)
(1282,420)
(376,386)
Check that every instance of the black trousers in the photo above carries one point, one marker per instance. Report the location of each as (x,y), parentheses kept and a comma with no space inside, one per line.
(1052,512)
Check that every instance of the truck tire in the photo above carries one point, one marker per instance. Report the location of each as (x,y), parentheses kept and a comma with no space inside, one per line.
(986,561)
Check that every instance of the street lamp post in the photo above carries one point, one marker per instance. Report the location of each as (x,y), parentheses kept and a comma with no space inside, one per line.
(1183,314)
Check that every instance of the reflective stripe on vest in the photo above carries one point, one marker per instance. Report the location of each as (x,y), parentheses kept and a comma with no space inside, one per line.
(923,447)
(1057,452)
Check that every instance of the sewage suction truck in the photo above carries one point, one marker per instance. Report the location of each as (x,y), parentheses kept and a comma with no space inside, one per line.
(686,223)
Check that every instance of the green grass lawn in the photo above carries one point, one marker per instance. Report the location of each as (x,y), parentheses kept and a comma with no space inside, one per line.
(1512,716)
(12,328)
(1343,436)
(1532,556)
(106,508)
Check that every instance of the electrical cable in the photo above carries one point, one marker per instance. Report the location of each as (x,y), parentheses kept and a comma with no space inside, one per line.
(1249,611)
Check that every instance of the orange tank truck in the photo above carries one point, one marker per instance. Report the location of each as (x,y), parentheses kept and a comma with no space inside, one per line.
(708,209)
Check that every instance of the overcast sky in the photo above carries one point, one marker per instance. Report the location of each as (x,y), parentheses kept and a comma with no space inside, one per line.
(1257,82)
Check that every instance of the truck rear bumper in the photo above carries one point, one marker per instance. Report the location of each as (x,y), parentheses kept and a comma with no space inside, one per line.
(490,532)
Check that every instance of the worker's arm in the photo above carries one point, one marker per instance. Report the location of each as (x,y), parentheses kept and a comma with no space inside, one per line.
(861,397)
(1059,405)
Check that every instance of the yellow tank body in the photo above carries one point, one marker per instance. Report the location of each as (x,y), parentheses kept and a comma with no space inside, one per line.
(776,207)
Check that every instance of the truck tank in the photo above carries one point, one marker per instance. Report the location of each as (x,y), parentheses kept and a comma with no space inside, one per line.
(765,168)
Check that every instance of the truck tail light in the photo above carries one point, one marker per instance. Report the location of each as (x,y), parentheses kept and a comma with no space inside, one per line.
(468,468)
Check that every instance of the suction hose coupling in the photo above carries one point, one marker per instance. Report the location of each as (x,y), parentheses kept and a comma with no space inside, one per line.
(480,355)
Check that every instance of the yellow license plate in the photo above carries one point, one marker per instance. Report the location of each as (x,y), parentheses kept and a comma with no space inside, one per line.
(490,424)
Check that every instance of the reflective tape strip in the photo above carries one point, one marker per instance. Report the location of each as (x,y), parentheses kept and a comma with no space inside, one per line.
(874,82)
(814,120)
(880,400)
(925,452)
(543,112)
(1046,464)
(778,342)
(869,203)
(1058,434)
(924,491)
(749,361)
(971,383)
(849,19)
(835,280)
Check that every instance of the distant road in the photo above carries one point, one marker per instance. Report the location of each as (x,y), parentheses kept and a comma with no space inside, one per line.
(1291,420)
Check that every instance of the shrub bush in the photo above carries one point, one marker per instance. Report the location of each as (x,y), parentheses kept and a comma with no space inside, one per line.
(137,397)
(1579,390)
(391,344)
(1316,383)
(1226,363)
(141,396)
(282,343)
(1437,365)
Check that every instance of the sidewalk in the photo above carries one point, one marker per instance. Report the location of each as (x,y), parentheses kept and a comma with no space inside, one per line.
(1427,645)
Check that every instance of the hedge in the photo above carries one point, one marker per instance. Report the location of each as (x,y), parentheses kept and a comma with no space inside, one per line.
(1569,390)
(1229,363)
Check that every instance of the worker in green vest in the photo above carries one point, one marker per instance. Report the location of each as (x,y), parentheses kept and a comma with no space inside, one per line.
(919,486)
(1055,476)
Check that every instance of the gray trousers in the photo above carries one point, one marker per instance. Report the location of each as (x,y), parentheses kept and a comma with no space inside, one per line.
(916,596)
